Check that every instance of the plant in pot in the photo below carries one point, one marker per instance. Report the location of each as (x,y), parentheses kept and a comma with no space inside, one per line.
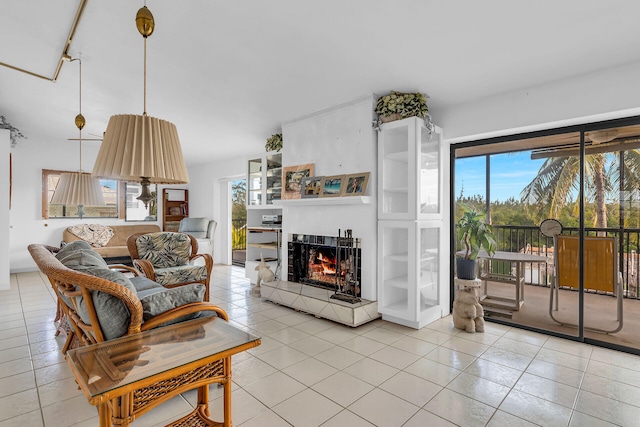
(398,105)
(274,142)
(475,234)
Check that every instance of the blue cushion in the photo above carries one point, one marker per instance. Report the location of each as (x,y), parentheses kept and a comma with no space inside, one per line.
(171,298)
(112,313)
(142,283)
(79,255)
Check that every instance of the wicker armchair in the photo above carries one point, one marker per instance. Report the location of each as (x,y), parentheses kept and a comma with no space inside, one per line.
(167,258)
(89,301)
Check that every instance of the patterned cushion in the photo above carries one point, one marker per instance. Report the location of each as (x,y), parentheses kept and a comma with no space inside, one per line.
(96,234)
(181,274)
(164,249)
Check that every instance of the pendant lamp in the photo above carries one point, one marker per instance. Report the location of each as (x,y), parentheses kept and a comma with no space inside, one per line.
(139,147)
(78,188)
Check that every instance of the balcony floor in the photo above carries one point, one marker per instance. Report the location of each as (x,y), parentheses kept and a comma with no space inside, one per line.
(600,312)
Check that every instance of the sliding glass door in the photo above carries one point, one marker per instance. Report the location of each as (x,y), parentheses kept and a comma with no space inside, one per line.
(565,209)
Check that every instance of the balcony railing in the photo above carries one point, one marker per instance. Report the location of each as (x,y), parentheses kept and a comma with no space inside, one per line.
(529,239)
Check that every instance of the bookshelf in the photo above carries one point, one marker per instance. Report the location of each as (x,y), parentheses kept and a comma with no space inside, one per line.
(175,207)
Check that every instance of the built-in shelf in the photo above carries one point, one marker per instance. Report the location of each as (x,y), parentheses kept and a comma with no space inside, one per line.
(349,200)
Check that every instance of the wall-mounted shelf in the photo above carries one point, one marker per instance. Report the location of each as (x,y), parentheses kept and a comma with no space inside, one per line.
(349,200)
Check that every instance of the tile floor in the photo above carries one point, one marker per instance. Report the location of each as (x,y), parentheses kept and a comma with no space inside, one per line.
(312,372)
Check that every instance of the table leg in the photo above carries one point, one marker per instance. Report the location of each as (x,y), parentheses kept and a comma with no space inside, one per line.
(203,399)
(104,415)
(227,392)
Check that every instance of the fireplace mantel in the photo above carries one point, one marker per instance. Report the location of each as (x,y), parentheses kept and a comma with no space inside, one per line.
(350,200)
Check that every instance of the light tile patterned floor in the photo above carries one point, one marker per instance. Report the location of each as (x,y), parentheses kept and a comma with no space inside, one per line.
(313,372)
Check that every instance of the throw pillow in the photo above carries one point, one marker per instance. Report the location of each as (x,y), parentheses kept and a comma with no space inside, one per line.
(78,255)
(111,311)
(170,298)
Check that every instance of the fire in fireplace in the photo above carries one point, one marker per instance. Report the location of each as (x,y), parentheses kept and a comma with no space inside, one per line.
(327,262)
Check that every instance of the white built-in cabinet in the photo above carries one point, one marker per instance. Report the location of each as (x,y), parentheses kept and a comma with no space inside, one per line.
(413,287)
(264,186)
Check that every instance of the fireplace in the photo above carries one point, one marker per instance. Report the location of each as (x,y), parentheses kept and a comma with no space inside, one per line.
(330,262)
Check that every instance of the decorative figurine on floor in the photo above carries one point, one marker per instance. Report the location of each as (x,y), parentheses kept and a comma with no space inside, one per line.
(264,275)
(468,314)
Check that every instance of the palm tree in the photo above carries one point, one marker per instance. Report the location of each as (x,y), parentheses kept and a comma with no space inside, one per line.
(557,182)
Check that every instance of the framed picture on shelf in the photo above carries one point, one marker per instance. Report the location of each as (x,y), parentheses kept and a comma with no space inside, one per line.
(175,210)
(292,180)
(310,187)
(332,186)
(356,184)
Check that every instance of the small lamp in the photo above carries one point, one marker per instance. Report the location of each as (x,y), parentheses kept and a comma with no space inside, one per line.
(140,147)
(78,188)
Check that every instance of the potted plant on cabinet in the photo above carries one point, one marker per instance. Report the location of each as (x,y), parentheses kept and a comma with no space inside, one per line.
(475,234)
(398,105)
(274,142)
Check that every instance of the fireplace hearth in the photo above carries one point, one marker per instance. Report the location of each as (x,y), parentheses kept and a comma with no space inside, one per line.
(330,262)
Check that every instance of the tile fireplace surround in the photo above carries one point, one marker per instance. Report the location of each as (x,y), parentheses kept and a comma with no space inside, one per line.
(317,300)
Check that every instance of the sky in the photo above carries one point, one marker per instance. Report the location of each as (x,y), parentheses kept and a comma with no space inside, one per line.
(510,173)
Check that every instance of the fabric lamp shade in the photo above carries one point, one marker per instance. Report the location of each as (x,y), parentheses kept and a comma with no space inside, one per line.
(78,188)
(137,146)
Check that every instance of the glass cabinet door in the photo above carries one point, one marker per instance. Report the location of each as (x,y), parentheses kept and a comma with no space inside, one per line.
(394,176)
(254,182)
(274,178)
(429,173)
(410,171)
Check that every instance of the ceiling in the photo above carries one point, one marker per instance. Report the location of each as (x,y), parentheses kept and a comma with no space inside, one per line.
(229,73)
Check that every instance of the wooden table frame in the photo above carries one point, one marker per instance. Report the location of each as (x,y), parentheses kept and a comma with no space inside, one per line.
(121,397)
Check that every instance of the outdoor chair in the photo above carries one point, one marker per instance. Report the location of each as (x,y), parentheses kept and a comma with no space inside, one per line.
(168,259)
(600,273)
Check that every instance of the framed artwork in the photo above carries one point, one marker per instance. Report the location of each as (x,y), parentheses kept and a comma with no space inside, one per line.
(310,187)
(356,184)
(292,180)
(332,186)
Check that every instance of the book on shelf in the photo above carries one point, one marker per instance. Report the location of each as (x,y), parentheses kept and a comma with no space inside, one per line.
(172,226)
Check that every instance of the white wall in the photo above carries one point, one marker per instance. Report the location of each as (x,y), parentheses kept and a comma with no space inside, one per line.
(5,143)
(340,140)
(209,197)
(607,94)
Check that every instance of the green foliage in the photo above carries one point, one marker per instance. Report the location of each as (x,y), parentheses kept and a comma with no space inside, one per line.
(475,233)
(405,104)
(239,200)
(274,142)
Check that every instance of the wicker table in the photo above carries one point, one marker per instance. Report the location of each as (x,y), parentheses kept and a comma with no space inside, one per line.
(128,376)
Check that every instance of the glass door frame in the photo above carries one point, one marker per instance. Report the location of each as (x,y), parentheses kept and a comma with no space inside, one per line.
(582,129)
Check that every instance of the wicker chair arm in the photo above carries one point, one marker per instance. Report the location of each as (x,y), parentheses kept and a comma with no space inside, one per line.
(208,261)
(124,268)
(145,267)
(182,311)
